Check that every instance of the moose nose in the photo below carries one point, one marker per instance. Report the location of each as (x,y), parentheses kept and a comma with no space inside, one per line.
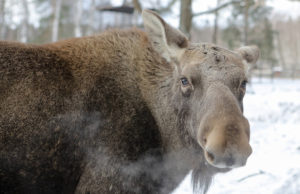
(228,161)
(224,151)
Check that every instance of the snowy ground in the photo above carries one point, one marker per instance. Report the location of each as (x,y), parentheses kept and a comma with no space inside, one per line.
(273,110)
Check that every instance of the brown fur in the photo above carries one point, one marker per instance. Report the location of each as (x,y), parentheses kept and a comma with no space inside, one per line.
(105,114)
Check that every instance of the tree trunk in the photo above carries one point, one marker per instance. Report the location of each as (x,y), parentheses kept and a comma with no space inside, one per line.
(216,25)
(246,21)
(91,28)
(24,25)
(186,16)
(137,6)
(55,23)
(281,56)
(78,14)
(2,20)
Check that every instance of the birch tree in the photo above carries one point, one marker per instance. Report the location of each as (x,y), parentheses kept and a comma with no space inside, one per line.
(77,18)
(56,17)
(91,19)
(2,19)
(24,25)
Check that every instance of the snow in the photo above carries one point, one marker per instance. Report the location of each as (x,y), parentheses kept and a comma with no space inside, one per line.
(273,110)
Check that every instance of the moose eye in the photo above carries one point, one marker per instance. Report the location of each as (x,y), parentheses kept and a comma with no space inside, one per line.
(244,84)
(184,81)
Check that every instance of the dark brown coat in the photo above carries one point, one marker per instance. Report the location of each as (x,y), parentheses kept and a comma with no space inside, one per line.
(105,114)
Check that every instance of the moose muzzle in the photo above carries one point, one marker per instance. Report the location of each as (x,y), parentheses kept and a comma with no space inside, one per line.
(224,131)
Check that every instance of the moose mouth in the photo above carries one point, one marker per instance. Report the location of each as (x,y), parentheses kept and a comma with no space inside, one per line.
(226,160)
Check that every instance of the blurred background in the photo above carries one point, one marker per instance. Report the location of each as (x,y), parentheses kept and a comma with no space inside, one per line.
(273,25)
(272,103)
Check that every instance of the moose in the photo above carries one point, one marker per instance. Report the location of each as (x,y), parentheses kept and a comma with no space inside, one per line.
(124,111)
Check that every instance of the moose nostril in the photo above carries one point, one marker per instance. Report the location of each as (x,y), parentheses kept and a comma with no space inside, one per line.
(210,156)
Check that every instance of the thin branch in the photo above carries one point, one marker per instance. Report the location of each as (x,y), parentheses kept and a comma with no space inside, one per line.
(211,11)
(252,175)
(167,8)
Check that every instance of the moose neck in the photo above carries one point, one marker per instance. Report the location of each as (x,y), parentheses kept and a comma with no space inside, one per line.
(157,83)
(157,80)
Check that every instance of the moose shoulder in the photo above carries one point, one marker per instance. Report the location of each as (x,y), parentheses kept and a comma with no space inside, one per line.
(121,112)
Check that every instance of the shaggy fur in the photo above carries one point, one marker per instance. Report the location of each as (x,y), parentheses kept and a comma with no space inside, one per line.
(101,114)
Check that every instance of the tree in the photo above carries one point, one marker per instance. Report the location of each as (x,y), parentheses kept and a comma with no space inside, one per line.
(91,19)
(232,34)
(24,25)
(56,17)
(249,24)
(77,18)
(137,6)
(216,26)
(216,11)
(186,16)
(220,7)
(246,21)
(2,19)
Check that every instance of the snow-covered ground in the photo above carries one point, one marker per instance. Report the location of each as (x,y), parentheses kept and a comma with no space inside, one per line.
(273,109)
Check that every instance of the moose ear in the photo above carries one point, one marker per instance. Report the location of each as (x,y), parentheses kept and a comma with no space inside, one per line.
(166,40)
(249,53)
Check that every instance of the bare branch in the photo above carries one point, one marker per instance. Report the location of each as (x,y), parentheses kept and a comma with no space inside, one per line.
(167,8)
(211,11)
